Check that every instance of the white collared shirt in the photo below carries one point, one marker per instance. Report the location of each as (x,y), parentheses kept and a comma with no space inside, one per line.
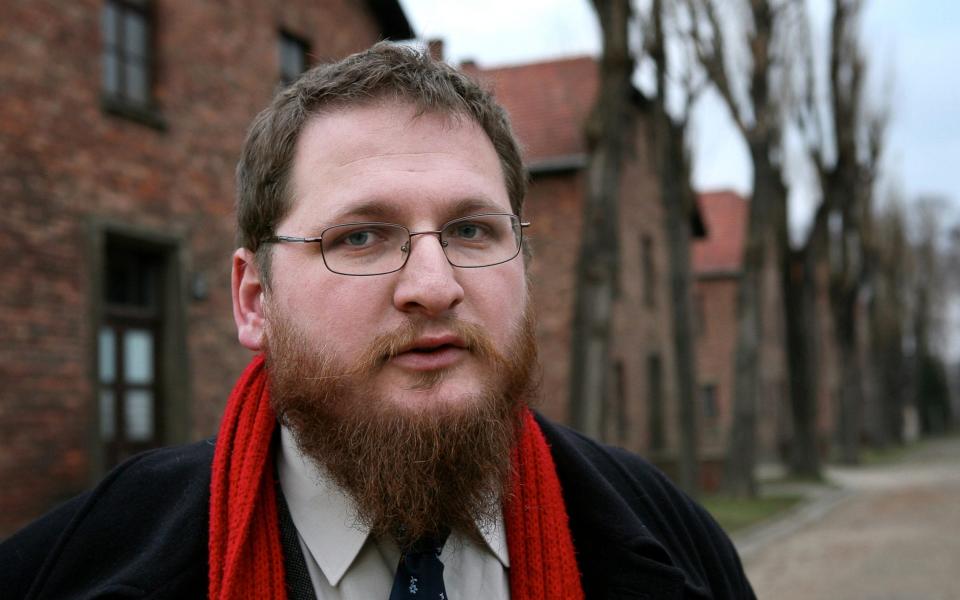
(345,563)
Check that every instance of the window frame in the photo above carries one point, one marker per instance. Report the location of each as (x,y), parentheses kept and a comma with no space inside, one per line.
(170,351)
(121,318)
(287,39)
(648,270)
(119,100)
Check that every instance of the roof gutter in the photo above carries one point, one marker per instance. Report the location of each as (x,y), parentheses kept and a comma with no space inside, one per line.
(557,164)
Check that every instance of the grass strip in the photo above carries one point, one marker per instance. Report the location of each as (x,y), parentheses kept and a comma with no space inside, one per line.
(735,513)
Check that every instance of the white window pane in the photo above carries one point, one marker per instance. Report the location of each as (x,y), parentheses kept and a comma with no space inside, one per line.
(109,25)
(135,78)
(138,356)
(107,355)
(111,73)
(138,415)
(107,415)
(292,58)
(134,34)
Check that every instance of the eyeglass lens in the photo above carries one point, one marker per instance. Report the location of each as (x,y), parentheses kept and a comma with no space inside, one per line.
(373,248)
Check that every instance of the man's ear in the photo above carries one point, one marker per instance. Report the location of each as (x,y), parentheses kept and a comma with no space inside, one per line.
(248,290)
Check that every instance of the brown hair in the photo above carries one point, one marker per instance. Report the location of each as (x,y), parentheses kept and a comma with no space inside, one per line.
(385,71)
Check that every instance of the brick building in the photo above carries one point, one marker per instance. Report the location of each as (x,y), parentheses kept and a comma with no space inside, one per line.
(549,103)
(120,125)
(717,264)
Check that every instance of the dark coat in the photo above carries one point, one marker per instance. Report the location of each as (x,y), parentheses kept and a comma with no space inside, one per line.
(142,533)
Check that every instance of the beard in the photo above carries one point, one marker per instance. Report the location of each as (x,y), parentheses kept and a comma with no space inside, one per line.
(411,471)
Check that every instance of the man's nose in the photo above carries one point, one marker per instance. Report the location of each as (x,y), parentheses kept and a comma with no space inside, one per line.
(428,282)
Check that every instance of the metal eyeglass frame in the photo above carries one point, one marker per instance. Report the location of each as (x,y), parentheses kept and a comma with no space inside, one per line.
(405,248)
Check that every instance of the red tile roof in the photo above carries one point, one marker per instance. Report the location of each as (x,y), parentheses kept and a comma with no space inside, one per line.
(725,216)
(548,103)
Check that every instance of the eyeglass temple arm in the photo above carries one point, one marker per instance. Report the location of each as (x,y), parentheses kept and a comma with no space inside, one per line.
(286,238)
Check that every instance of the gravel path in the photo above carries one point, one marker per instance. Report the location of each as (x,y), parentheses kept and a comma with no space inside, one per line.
(888,532)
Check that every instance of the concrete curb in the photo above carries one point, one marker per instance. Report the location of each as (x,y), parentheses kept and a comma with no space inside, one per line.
(818,501)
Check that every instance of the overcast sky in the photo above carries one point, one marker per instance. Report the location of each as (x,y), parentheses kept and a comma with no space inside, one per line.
(914,48)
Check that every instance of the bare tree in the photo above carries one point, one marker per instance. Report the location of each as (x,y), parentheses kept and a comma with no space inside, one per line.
(846,160)
(757,113)
(888,315)
(800,270)
(673,168)
(929,291)
(608,132)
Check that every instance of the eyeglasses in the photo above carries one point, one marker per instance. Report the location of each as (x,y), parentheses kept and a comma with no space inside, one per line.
(379,248)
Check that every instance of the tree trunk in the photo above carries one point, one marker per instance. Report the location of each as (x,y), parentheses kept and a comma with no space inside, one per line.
(887,343)
(769,198)
(608,131)
(802,333)
(851,398)
(847,188)
(678,235)
(762,132)
(674,173)
(887,351)
(841,192)
(799,289)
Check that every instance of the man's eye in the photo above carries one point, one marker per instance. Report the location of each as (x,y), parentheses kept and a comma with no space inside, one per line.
(358,238)
(469,231)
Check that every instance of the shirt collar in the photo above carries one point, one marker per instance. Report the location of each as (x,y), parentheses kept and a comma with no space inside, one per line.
(325,516)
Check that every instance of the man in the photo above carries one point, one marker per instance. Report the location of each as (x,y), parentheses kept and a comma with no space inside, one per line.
(380,445)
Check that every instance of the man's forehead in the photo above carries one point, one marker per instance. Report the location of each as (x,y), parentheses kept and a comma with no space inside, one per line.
(394,211)
(387,115)
(380,128)
(383,162)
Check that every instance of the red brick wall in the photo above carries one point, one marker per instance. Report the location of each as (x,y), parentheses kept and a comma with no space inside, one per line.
(716,351)
(64,164)
(643,329)
(554,205)
(716,346)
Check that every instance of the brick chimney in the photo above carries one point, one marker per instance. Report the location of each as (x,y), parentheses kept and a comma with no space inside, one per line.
(470,67)
(435,48)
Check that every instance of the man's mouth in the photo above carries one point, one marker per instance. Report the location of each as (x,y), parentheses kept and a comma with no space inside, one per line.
(428,353)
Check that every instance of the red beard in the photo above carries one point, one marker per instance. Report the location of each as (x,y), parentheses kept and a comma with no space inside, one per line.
(410,472)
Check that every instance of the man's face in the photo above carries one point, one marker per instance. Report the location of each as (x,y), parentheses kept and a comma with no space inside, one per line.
(383,163)
(406,386)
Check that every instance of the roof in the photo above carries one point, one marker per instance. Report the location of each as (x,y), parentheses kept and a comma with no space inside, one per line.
(548,103)
(721,251)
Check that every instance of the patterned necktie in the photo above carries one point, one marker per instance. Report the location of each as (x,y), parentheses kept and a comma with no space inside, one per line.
(420,572)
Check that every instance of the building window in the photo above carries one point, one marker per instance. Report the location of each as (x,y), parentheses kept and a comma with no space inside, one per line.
(649,271)
(616,418)
(655,402)
(130,400)
(708,402)
(126,53)
(293,57)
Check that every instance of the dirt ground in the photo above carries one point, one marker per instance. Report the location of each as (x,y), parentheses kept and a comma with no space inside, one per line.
(891,532)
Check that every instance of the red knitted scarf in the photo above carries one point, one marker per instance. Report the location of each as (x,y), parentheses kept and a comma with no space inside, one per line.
(246,559)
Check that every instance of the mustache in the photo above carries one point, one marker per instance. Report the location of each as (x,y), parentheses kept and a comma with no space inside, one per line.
(392,343)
